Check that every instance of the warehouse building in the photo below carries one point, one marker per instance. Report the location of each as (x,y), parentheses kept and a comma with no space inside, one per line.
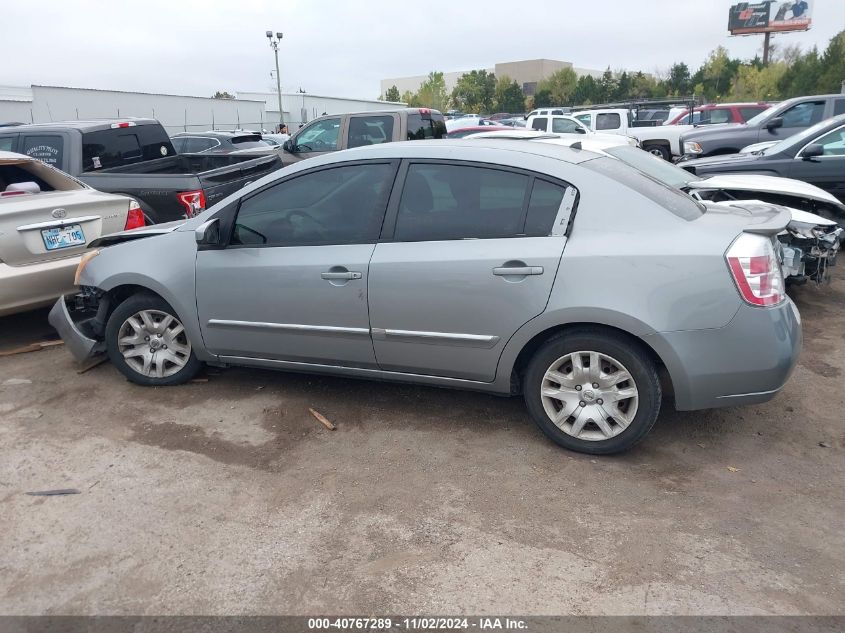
(527,73)
(178,113)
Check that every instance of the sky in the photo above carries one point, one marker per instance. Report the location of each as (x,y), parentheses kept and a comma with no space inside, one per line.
(345,47)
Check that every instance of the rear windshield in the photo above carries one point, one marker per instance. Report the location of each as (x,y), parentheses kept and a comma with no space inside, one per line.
(425,126)
(670,199)
(249,142)
(124,146)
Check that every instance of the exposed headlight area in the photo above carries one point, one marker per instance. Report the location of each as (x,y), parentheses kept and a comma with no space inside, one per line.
(691,147)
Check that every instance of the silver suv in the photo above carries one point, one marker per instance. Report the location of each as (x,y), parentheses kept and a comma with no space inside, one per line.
(498,265)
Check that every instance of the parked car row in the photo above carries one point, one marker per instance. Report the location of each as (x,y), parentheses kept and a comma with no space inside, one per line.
(498,265)
(480,263)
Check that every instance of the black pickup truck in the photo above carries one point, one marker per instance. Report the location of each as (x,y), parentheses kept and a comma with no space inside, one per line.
(135,157)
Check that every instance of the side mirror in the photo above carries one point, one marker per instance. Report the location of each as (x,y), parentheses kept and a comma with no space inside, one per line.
(208,233)
(812,151)
(580,130)
(774,123)
(289,146)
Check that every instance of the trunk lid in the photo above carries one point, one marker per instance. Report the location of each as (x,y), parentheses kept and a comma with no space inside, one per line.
(766,184)
(53,225)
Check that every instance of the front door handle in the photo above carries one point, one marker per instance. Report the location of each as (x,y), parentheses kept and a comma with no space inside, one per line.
(344,275)
(521,271)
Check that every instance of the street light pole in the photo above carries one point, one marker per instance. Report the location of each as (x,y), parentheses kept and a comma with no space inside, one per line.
(274,44)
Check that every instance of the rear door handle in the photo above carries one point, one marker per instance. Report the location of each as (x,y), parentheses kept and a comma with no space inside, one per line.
(346,275)
(521,271)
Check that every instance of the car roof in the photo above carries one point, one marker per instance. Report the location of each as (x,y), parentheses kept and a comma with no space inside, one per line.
(481,150)
(90,125)
(13,156)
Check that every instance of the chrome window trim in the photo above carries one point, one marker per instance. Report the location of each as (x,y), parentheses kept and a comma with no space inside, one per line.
(291,327)
(801,151)
(57,222)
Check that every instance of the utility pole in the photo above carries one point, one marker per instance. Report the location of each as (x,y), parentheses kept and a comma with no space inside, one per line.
(274,44)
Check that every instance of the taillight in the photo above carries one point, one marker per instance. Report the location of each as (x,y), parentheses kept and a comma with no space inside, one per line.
(755,269)
(193,201)
(135,217)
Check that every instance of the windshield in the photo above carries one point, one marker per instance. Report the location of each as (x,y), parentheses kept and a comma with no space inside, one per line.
(765,114)
(797,139)
(657,168)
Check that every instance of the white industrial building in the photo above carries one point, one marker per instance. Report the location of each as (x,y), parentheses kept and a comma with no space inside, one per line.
(300,108)
(178,113)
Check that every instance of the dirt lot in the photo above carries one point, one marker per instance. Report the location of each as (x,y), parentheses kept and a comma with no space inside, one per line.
(226,496)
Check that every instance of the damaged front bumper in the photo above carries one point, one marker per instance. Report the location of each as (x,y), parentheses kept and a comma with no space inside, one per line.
(82,335)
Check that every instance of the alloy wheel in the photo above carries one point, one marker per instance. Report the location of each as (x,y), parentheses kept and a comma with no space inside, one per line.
(589,395)
(153,343)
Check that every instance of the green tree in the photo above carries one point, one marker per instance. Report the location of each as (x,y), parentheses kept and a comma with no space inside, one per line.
(542,99)
(623,88)
(832,66)
(222,94)
(802,77)
(508,97)
(607,86)
(679,80)
(392,94)
(586,90)
(716,74)
(561,86)
(644,86)
(755,83)
(475,91)
(432,93)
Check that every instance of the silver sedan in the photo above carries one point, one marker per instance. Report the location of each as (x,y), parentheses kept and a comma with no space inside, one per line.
(511,267)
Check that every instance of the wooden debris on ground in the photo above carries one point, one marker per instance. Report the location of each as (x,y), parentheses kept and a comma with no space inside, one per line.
(321,418)
(91,363)
(32,347)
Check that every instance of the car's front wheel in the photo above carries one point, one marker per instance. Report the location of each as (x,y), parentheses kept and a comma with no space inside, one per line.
(147,342)
(592,391)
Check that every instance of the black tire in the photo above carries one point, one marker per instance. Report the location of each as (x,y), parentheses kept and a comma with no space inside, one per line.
(132,306)
(659,150)
(627,352)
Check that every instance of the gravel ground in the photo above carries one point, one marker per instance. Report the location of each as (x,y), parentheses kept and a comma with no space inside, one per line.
(227,497)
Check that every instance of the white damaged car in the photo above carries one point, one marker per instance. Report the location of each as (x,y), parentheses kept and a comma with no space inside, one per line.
(810,244)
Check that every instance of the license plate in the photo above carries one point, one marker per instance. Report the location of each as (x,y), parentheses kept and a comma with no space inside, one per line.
(63,237)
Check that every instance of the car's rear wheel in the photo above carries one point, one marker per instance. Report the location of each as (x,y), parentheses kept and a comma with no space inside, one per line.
(592,391)
(147,342)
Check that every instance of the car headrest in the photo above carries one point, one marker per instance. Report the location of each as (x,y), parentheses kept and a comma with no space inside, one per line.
(25,187)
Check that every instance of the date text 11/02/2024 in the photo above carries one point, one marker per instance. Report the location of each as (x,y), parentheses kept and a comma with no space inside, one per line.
(417,623)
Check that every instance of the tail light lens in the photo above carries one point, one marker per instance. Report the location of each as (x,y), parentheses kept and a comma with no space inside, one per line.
(755,269)
(135,217)
(193,201)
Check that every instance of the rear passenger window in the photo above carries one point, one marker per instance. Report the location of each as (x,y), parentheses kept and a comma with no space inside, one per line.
(750,113)
(539,123)
(608,121)
(45,148)
(370,130)
(453,202)
(542,208)
(838,106)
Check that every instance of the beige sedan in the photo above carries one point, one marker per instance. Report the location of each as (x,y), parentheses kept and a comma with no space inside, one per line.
(47,218)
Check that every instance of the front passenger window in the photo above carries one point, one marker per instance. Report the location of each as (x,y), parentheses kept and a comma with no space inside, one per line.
(338,205)
(320,136)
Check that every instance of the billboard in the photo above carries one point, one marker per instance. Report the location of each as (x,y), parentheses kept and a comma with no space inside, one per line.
(770,16)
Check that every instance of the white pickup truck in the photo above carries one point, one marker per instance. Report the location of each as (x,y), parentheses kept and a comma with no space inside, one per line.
(661,140)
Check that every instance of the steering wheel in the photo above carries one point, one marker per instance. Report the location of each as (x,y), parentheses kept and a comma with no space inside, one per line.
(296,213)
